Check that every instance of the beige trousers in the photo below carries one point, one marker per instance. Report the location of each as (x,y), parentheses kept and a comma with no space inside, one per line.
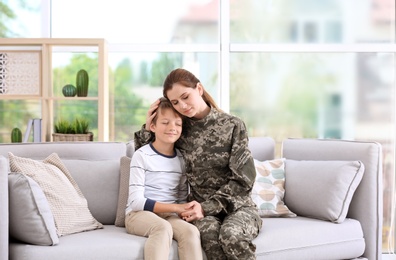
(160,230)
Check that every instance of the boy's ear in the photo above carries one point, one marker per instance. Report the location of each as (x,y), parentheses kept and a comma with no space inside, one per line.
(152,127)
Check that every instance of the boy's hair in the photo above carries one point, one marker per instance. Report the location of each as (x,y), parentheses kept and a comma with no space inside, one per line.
(163,105)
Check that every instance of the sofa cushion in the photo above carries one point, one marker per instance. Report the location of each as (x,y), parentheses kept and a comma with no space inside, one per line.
(109,243)
(68,205)
(269,188)
(99,181)
(322,189)
(125,164)
(31,219)
(307,238)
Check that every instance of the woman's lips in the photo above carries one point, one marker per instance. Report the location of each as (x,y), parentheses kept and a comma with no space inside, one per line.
(188,111)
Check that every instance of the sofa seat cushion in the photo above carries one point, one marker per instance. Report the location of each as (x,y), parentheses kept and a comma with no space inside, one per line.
(111,242)
(304,238)
(280,238)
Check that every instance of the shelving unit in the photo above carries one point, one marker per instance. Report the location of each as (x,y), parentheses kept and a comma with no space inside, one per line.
(45,94)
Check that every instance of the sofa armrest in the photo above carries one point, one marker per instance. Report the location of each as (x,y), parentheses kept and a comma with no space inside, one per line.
(3,208)
(366,205)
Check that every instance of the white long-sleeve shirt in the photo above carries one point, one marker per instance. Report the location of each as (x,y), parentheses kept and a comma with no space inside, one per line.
(155,177)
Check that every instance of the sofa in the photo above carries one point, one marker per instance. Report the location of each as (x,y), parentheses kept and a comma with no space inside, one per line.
(309,229)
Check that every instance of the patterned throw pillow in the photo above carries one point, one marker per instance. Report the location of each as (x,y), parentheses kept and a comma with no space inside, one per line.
(269,188)
(68,205)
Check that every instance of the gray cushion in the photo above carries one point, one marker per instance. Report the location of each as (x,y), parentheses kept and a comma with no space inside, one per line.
(108,243)
(125,164)
(322,189)
(31,219)
(68,204)
(99,182)
(304,238)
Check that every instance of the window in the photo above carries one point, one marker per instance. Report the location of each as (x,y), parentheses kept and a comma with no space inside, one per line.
(137,22)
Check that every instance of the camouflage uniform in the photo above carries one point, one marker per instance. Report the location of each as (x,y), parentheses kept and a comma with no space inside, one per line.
(221,173)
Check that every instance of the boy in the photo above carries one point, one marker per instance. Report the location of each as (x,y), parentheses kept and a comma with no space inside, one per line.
(157,187)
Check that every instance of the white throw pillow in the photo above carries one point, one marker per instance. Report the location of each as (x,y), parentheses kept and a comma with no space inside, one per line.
(269,189)
(31,219)
(68,205)
(322,189)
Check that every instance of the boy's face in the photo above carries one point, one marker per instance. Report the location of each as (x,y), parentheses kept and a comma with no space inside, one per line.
(168,126)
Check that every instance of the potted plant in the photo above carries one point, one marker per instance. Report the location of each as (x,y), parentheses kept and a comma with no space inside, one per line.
(76,130)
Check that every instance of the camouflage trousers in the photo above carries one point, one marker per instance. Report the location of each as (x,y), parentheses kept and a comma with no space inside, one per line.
(230,237)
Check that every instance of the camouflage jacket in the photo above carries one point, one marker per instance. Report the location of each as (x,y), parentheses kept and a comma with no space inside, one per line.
(219,165)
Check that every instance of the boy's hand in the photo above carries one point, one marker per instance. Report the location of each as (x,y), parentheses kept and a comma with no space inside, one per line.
(193,211)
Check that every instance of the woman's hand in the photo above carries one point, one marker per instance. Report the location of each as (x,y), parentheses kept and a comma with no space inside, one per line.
(192,211)
(151,114)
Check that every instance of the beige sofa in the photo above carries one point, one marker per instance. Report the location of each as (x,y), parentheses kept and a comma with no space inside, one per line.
(95,166)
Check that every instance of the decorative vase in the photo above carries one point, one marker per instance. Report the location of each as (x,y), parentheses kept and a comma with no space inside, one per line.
(82,81)
(16,135)
(69,90)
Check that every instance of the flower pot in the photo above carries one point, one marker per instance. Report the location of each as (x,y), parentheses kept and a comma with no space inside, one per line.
(72,137)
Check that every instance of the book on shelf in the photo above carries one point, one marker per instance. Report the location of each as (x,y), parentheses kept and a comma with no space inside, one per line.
(27,132)
(34,123)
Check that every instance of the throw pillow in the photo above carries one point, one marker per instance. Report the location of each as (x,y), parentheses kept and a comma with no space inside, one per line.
(322,189)
(31,219)
(125,163)
(68,205)
(269,189)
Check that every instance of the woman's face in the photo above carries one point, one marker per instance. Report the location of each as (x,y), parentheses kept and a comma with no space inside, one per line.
(187,101)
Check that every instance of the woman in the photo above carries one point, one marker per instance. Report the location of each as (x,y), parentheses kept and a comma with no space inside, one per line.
(219,169)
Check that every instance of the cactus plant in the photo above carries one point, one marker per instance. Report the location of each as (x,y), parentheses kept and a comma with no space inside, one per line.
(16,135)
(69,90)
(82,81)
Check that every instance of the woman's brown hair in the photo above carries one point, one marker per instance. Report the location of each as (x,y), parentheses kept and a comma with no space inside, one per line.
(187,79)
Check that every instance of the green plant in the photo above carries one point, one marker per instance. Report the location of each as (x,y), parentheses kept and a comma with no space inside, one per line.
(16,135)
(77,126)
(63,127)
(80,126)
(82,81)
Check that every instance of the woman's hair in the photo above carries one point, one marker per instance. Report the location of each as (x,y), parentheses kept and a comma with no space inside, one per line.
(187,79)
(163,105)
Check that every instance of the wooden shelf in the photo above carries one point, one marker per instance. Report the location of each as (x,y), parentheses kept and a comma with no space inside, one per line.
(73,98)
(46,47)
